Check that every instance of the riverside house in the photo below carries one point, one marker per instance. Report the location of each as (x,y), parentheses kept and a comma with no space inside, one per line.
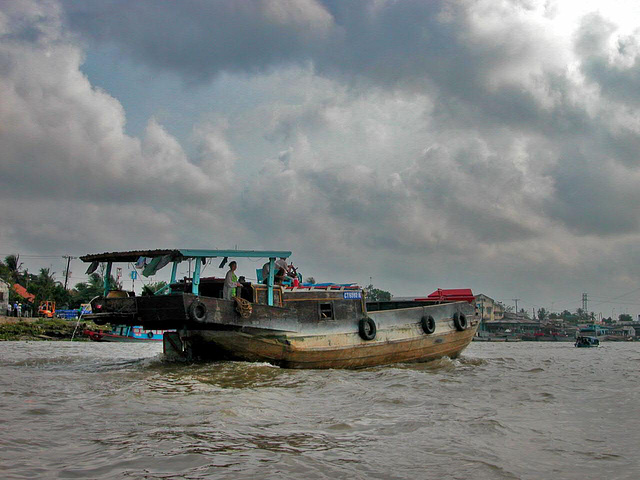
(488,309)
(4,297)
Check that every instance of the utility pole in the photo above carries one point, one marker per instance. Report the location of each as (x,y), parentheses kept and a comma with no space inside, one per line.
(67,272)
(516,300)
(585,300)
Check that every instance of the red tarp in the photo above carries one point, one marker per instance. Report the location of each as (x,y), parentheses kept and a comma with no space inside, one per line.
(449,295)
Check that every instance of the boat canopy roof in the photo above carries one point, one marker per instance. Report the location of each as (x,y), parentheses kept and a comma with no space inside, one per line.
(134,255)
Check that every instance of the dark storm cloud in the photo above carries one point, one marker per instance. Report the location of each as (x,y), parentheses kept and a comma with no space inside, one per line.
(408,44)
(199,38)
(595,196)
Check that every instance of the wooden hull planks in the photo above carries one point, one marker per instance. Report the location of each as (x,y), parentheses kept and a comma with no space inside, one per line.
(394,343)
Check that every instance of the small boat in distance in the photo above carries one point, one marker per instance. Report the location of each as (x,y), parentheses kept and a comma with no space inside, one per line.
(586,342)
(124,333)
(296,326)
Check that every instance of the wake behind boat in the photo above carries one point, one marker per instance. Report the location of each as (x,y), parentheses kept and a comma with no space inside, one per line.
(304,326)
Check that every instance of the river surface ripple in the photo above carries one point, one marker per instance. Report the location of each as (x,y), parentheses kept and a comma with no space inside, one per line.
(502,411)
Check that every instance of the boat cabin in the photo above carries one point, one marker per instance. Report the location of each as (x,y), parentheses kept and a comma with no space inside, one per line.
(200,300)
(195,285)
(325,303)
(213,287)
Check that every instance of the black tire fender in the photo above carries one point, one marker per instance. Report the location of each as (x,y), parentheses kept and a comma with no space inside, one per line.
(460,321)
(367,328)
(198,311)
(150,335)
(428,324)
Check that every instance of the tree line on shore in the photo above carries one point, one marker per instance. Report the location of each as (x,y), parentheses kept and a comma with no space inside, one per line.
(44,286)
(574,318)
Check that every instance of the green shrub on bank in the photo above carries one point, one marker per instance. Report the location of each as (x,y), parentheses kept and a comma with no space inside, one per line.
(43,329)
(17,331)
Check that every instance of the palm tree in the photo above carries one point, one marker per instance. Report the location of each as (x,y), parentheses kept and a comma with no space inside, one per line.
(44,286)
(85,291)
(13,265)
(151,288)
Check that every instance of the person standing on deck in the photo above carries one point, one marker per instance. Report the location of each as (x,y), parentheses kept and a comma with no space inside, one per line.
(231,282)
(280,270)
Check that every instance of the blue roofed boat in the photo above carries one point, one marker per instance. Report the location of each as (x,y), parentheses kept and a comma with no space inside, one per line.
(125,333)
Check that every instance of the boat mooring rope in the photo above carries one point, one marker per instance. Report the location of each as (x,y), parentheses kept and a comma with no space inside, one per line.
(243,307)
(80,317)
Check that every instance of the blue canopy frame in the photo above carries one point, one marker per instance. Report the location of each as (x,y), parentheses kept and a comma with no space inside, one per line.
(178,255)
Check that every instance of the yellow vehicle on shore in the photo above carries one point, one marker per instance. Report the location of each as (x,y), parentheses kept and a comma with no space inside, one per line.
(47,309)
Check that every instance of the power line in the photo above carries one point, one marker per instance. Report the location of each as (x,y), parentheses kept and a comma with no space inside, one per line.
(615,302)
(66,272)
(616,298)
(516,300)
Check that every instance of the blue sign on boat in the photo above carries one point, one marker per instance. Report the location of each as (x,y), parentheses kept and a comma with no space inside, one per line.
(134,275)
(352,295)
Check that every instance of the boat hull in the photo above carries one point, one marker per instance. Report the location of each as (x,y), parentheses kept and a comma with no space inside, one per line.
(312,328)
(292,353)
(399,338)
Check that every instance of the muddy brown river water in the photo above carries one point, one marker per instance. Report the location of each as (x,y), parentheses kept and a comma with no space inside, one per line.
(502,411)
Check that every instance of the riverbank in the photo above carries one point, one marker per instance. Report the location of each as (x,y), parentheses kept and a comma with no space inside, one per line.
(12,328)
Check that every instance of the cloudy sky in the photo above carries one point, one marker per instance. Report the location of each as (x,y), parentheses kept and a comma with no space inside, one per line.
(484,144)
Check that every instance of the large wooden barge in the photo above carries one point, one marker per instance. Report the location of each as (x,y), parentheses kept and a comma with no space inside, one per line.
(304,326)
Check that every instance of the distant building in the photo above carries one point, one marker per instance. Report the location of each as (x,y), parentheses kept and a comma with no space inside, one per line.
(593,330)
(4,297)
(488,309)
(623,331)
(633,330)
(512,323)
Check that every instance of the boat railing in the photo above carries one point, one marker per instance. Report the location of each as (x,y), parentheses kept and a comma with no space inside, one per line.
(321,287)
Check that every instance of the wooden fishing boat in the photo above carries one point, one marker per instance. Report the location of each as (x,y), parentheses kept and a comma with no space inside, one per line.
(303,326)
(125,333)
(586,342)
